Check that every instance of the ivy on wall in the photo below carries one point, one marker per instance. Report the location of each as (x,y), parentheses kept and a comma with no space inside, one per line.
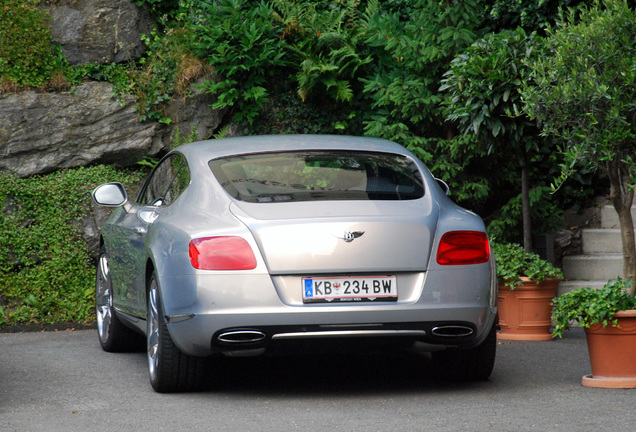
(46,272)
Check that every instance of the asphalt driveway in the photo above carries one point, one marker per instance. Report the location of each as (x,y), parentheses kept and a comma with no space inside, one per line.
(62,381)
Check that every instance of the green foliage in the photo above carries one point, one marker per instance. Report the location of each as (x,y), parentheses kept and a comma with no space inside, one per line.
(180,139)
(166,71)
(46,274)
(326,43)
(589,306)
(584,88)
(412,55)
(461,167)
(513,262)
(505,223)
(483,86)
(289,114)
(27,58)
(529,14)
(116,74)
(240,40)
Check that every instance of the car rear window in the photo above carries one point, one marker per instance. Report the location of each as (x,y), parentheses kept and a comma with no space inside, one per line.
(319,176)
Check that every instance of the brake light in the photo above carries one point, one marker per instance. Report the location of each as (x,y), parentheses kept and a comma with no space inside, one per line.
(221,253)
(463,247)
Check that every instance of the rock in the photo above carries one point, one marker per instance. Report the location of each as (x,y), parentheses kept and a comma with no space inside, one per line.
(194,113)
(99,31)
(43,132)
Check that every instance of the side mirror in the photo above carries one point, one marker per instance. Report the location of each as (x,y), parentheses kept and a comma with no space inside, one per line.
(110,195)
(443,185)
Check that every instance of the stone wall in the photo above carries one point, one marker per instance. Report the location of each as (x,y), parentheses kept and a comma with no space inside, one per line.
(43,132)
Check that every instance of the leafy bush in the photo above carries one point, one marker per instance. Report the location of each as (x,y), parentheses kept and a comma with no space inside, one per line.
(326,45)
(240,40)
(26,54)
(513,263)
(589,306)
(46,274)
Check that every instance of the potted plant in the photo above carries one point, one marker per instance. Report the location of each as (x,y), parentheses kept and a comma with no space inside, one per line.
(608,316)
(527,285)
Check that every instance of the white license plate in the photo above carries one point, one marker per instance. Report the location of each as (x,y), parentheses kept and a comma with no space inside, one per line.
(349,289)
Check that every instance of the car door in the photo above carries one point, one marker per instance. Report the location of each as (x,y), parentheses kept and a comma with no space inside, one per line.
(163,186)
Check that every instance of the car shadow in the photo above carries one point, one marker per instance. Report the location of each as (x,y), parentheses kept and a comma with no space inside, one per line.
(327,374)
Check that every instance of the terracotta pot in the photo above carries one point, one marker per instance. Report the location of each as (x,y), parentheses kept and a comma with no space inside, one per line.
(525,313)
(613,353)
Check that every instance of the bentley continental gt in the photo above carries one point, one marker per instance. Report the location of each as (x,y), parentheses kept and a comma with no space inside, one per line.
(242,246)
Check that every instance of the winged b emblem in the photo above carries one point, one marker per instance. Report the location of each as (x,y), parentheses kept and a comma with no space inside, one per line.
(350,236)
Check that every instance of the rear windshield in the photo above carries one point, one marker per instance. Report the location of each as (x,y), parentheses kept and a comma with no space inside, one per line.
(319,176)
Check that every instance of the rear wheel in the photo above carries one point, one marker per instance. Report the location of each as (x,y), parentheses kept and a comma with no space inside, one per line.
(474,364)
(113,335)
(170,369)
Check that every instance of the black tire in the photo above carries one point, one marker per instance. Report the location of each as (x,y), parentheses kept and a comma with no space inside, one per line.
(113,335)
(474,364)
(170,369)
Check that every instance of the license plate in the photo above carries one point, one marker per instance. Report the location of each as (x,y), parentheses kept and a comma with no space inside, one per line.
(349,289)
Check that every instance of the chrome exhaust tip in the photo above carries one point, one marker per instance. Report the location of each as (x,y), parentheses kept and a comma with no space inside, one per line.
(452,331)
(241,336)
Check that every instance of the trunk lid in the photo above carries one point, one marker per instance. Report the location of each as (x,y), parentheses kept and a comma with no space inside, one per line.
(342,237)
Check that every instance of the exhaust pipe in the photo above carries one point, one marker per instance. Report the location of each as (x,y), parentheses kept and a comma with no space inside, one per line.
(452,331)
(241,336)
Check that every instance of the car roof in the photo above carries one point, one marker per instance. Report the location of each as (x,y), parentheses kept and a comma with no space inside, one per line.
(212,149)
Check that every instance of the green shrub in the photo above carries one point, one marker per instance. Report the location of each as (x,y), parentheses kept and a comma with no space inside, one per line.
(326,45)
(589,306)
(240,40)
(27,57)
(513,262)
(46,273)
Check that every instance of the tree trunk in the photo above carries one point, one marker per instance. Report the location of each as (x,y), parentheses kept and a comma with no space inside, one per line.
(525,204)
(622,198)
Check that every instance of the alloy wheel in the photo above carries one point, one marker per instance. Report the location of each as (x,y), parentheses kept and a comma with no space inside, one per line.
(153,330)
(103,299)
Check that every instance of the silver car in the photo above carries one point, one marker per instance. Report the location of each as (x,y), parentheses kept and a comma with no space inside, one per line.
(243,246)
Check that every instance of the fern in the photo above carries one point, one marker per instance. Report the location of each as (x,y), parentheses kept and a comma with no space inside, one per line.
(326,43)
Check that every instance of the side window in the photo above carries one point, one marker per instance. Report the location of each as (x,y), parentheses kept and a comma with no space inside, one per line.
(166,182)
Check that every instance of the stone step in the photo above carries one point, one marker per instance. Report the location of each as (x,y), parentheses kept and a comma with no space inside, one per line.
(597,240)
(569,285)
(602,257)
(609,217)
(593,266)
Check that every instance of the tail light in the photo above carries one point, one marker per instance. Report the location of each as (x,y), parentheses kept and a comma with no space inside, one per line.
(463,247)
(221,253)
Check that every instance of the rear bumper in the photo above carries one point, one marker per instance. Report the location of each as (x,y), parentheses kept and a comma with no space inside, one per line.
(203,335)
(444,308)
